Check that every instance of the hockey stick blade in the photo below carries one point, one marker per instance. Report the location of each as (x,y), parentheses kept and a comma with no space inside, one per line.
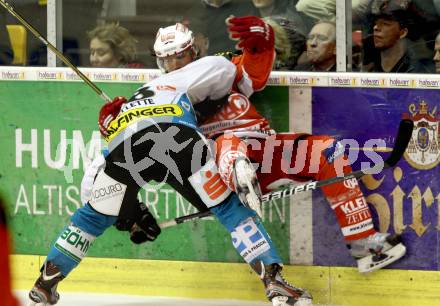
(403,137)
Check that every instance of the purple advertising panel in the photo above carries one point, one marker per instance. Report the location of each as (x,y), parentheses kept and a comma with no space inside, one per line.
(404,199)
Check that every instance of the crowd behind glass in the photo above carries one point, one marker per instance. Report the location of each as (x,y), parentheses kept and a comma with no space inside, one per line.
(387,35)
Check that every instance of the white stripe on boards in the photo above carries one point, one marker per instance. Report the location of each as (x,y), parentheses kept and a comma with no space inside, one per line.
(301,210)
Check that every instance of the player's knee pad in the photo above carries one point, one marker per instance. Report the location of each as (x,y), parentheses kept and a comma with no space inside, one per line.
(249,236)
(75,240)
(228,149)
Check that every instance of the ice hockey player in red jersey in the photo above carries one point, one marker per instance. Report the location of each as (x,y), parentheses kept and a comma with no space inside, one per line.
(243,136)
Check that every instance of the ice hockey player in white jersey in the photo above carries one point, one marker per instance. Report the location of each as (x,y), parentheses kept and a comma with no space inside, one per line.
(154,136)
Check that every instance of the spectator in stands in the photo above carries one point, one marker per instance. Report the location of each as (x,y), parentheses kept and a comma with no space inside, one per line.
(286,9)
(318,9)
(359,12)
(437,54)
(393,23)
(201,44)
(321,48)
(215,3)
(271,7)
(112,46)
(436,4)
(208,18)
(6,55)
(289,42)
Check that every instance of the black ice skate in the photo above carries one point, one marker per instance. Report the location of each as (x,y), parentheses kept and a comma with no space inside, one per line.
(376,251)
(44,291)
(246,184)
(278,290)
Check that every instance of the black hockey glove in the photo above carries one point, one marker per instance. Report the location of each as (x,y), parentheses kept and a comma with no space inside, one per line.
(143,228)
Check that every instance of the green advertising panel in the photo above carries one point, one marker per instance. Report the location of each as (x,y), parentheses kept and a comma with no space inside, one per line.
(49,136)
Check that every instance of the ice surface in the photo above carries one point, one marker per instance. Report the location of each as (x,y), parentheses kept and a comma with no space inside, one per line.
(88,299)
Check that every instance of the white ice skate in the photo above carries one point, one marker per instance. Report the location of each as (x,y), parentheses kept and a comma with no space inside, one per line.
(377,251)
(246,184)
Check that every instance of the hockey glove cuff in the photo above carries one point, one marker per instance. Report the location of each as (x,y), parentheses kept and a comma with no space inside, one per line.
(145,228)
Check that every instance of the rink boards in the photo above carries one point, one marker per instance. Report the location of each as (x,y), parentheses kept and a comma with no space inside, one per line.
(203,280)
(50,133)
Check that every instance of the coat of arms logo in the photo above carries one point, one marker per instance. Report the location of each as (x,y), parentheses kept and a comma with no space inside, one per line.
(423,150)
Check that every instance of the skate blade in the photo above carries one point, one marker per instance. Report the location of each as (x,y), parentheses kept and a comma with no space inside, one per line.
(32,303)
(368,264)
(282,301)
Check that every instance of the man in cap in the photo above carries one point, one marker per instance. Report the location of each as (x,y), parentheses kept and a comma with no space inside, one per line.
(392,26)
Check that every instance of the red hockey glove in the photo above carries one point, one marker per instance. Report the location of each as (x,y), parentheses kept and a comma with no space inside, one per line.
(108,113)
(252,32)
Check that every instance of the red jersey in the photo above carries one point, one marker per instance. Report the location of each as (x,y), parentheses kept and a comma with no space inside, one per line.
(238,115)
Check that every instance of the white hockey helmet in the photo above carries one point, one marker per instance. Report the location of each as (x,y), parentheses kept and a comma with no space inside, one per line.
(173,40)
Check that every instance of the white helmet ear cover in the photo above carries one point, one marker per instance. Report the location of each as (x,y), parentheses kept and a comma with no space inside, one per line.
(173,40)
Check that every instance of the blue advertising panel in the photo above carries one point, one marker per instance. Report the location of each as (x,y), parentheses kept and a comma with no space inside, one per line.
(403,200)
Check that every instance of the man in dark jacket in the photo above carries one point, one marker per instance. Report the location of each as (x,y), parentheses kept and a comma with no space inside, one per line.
(393,23)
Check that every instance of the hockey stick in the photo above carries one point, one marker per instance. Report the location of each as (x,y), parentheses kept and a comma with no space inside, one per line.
(183,219)
(403,137)
(65,60)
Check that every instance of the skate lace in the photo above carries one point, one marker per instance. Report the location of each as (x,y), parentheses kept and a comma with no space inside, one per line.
(280,278)
(279,286)
(376,242)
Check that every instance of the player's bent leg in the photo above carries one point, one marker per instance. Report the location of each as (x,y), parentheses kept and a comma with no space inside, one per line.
(67,252)
(253,243)
(371,249)
(237,171)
